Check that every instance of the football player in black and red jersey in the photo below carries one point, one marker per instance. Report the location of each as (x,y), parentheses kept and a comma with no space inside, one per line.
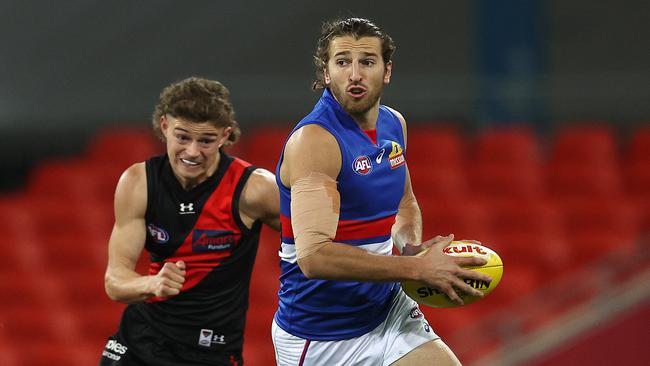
(198,213)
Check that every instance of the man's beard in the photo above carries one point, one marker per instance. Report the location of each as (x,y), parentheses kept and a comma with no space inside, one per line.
(360,107)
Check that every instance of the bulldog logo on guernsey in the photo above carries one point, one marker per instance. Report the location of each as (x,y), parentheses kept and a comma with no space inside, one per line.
(212,240)
(362,165)
(396,156)
(158,235)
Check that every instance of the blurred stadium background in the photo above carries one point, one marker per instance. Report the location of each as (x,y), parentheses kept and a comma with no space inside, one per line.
(529,130)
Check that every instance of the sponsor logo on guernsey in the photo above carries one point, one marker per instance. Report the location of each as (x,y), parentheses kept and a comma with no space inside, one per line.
(396,156)
(207,338)
(114,350)
(380,156)
(158,235)
(186,209)
(362,165)
(212,240)
(415,313)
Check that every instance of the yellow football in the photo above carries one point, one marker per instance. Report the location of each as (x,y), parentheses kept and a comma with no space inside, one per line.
(426,295)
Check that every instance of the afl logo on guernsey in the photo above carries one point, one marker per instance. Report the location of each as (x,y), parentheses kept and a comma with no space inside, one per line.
(362,165)
(158,235)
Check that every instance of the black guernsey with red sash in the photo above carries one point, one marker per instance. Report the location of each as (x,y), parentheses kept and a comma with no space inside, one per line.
(203,228)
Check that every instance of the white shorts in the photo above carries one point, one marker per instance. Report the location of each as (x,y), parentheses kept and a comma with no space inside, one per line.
(403,330)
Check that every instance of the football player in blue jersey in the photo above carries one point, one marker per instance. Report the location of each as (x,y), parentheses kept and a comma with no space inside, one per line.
(345,201)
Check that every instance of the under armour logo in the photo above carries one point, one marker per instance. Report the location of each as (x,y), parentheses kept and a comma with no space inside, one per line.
(219,339)
(186,208)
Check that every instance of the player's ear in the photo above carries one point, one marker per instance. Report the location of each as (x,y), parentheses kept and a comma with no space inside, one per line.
(164,123)
(388,72)
(226,134)
(326,76)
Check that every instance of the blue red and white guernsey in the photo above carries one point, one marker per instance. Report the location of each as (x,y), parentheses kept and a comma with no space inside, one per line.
(204,324)
(371,185)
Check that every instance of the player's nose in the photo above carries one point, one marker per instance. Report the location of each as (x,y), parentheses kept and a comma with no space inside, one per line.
(192,149)
(355,72)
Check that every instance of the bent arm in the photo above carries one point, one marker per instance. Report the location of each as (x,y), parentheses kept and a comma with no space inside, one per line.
(260,200)
(127,239)
(314,150)
(407,229)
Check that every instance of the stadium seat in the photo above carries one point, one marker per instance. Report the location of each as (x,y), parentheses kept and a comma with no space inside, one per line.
(445,322)
(584,162)
(431,147)
(583,180)
(264,145)
(595,227)
(123,146)
(75,179)
(519,280)
(438,181)
(590,143)
(465,218)
(55,216)
(97,321)
(639,146)
(507,146)
(494,182)
(55,352)
(530,231)
(637,173)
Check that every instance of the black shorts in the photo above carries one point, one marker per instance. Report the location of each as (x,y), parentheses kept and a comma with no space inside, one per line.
(138,344)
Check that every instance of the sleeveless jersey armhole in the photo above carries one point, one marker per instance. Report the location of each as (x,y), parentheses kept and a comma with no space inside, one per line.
(235,201)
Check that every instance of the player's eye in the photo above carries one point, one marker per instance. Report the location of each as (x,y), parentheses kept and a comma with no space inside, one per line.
(206,141)
(182,138)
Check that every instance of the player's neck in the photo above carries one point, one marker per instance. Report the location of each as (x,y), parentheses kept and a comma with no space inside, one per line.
(368,120)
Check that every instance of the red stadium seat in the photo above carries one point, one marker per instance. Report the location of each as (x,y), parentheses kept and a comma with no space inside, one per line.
(264,146)
(465,218)
(502,181)
(637,173)
(55,352)
(569,180)
(593,143)
(639,147)
(431,147)
(438,181)
(445,322)
(512,147)
(595,227)
(123,146)
(530,231)
(53,216)
(584,163)
(75,179)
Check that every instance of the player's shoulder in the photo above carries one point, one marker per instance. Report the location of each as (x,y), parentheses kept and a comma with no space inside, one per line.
(132,180)
(131,192)
(397,114)
(261,177)
(260,183)
(134,174)
(312,135)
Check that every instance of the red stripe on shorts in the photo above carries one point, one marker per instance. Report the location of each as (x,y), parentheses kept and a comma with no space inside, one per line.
(304,353)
